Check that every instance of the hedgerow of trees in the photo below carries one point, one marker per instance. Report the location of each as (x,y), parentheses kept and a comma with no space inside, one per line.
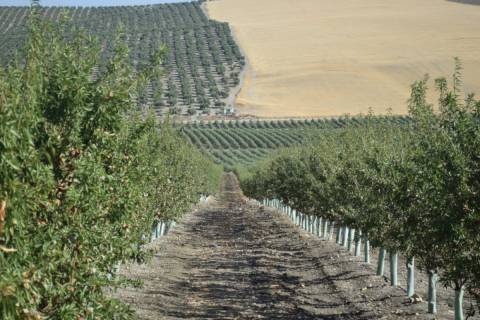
(83,176)
(241,142)
(412,188)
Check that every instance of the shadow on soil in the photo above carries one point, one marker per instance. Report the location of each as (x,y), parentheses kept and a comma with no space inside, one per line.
(252,279)
(472,2)
(237,260)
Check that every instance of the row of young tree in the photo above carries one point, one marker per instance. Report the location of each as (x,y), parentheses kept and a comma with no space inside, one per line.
(327,123)
(203,61)
(83,177)
(411,188)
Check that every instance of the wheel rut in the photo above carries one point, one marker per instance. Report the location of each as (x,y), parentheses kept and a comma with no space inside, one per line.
(233,259)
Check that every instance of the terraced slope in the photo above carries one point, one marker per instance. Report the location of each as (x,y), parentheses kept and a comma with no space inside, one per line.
(243,142)
(202,65)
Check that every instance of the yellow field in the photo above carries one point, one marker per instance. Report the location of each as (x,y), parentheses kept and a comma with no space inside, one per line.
(324,57)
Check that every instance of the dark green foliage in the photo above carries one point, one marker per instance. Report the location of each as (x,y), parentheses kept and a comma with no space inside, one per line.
(200,51)
(83,177)
(232,142)
(410,187)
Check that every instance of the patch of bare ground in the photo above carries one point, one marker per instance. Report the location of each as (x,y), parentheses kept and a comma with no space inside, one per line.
(327,58)
(234,259)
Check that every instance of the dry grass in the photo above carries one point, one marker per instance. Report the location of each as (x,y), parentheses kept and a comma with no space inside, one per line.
(323,57)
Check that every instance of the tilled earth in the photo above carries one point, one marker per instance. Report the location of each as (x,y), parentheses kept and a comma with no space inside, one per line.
(233,259)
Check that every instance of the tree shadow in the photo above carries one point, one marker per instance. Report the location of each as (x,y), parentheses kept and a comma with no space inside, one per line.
(255,281)
(471,2)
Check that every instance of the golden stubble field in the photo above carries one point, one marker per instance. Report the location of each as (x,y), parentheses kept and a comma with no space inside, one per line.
(323,57)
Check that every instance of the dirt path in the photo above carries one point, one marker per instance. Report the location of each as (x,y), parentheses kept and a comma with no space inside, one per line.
(236,260)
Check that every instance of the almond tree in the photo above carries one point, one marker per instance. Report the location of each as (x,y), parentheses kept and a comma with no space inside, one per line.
(447,184)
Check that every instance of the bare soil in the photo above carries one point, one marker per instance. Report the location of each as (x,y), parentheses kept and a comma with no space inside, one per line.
(234,259)
(329,58)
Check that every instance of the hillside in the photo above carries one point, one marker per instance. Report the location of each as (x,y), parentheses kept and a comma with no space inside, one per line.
(108,213)
(244,142)
(203,61)
(318,57)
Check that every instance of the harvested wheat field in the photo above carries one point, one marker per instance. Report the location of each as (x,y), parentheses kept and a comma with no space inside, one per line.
(321,58)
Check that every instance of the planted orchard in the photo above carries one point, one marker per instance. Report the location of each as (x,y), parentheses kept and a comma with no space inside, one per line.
(409,189)
(201,51)
(84,177)
(266,136)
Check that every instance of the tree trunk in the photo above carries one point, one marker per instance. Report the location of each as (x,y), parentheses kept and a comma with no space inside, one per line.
(332,229)
(339,231)
(351,236)
(381,262)
(319,226)
(366,251)
(394,268)
(358,243)
(153,234)
(158,231)
(346,231)
(459,291)
(432,292)
(166,227)
(325,229)
(410,276)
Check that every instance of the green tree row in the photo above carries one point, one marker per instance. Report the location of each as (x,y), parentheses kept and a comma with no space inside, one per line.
(201,52)
(412,188)
(229,142)
(83,177)
(327,123)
